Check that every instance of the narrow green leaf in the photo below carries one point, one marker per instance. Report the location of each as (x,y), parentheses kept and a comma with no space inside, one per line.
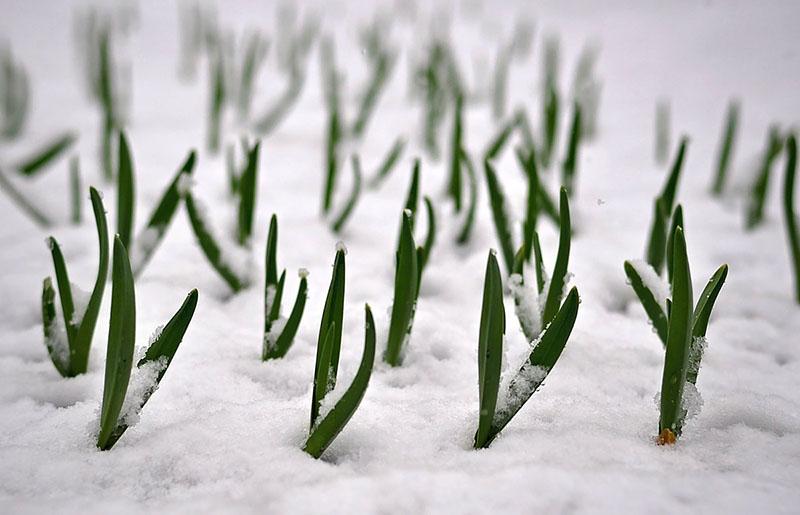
(248,184)
(655,312)
(271,259)
(657,241)
(125,192)
(284,341)
(332,159)
(405,294)
(45,155)
(121,338)
(662,140)
(679,339)
(209,246)
(498,142)
(327,365)
(558,280)
(702,314)
(352,200)
(677,221)
(333,423)
(550,128)
(532,205)
(50,325)
(25,205)
(500,82)
(424,251)
(456,147)
(671,186)
(499,215)
(161,218)
(217,98)
(275,307)
(85,332)
(389,162)
(541,361)
(538,263)
(726,148)
(412,198)
(760,187)
(277,113)
(490,349)
(381,70)
(570,165)
(789,213)
(469,220)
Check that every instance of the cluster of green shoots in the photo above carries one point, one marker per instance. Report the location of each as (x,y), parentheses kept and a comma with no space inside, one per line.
(330,411)
(546,326)
(243,187)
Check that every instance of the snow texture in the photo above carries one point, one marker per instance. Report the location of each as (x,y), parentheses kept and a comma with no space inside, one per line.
(655,283)
(225,430)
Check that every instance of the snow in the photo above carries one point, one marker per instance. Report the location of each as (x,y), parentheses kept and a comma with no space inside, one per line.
(143,244)
(655,283)
(225,430)
(526,302)
(80,300)
(142,384)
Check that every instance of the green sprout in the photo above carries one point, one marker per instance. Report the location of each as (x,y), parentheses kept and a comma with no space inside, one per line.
(570,164)
(45,155)
(456,151)
(389,162)
(758,191)
(75,187)
(726,148)
(496,409)
(789,211)
(68,343)
(279,332)
(663,125)
(349,206)
(405,293)
(14,95)
(663,210)
(381,61)
(121,403)
(330,415)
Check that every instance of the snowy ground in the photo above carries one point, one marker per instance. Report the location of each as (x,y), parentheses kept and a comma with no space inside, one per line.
(224,430)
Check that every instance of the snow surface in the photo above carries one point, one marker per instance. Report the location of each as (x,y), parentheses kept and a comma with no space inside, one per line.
(224,430)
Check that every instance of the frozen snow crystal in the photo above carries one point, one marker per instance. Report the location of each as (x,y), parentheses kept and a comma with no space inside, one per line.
(652,281)
(526,304)
(80,300)
(142,385)
(692,401)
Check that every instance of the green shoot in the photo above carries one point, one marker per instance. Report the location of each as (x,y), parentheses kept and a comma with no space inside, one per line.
(14,95)
(69,345)
(726,148)
(331,159)
(217,98)
(662,142)
(125,191)
(382,62)
(75,187)
(148,239)
(789,211)
(247,186)
(558,280)
(677,221)
(389,162)
(45,155)
(469,220)
(253,55)
(586,89)
(456,149)
(550,128)
(279,332)
(570,165)
(405,293)
(424,252)
(498,142)
(25,205)
(758,191)
(502,224)
(332,423)
(542,201)
(330,336)
(656,245)
(120,409)
(496,411)
(679,341)
(637,271)
(350,204)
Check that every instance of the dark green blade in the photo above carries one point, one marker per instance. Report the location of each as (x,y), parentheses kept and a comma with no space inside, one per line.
(75,188)
(405,294)
(702,314)
(454,180)
(162,215)
(326,368)
(538,263)
(424,251)
(726,148)
(501,223)
(671,186)
(655,312)
(64,292)
(789,213)
(570,165)
(333,423)
(209,246)
(45,155)
(389,162)
(412,198)
(498,142)
(121,338)
(490,350)
(677,221)
(125,192)
(83,338)
(271,258)
(352,200)
(275,308)
(284,341)
(541,361)
(469,219)
(760,188)
(679,339)
(50,325)
(332,160)
(247,195)
(657,241)
(22,202)
(558,280)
